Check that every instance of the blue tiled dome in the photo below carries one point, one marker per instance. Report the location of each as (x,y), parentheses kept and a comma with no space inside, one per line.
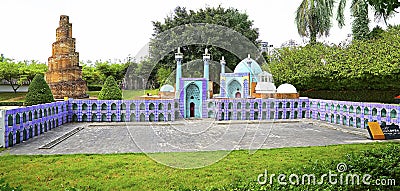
(242,67)
(167,88)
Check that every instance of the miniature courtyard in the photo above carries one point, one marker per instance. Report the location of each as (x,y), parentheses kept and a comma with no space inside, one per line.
(189,136)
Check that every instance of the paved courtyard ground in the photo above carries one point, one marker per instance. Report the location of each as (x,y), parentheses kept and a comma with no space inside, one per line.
(190,135)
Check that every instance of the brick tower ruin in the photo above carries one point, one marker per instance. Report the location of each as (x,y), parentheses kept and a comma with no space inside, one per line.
(64,75)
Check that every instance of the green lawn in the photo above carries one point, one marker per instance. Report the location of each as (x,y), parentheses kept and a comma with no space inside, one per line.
(139,172)
(8,96)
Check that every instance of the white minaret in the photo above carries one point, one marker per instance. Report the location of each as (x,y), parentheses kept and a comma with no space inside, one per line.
(223,63)
(178,58)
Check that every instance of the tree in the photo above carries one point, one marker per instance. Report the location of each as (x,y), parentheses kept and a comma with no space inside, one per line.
(163,75)
(18,73)
(38,92)
(313,18)
(110,90)
(359,27)
(230,18)
(384,8)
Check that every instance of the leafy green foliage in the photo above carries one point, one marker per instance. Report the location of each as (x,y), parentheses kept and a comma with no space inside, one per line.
(380,96)
(231,18)
(363,65)
(359,27)
(313,18)
(38,92)
(384,8)
(110,90)
(163,75)
(96,74)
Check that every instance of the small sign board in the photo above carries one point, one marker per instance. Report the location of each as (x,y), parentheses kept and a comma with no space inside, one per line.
(391,131)
(375,131)
(378,132)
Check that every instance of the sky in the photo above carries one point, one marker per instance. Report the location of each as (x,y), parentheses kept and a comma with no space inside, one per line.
(116,29)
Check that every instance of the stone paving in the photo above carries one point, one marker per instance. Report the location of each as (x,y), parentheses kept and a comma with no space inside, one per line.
(190,135)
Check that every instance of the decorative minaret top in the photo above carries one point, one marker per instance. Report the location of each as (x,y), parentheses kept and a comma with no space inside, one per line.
(249,61)
(223,63)
(206,59)
(65,75)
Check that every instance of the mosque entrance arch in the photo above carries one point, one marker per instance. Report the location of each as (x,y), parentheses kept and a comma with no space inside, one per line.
(192,100)
(234,89)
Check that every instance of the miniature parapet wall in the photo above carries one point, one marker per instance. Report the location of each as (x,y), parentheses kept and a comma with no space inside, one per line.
(354,114)
(123,110)
(24,123)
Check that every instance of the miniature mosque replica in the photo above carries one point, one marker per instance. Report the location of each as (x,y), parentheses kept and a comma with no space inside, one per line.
(246,94)
(248,81)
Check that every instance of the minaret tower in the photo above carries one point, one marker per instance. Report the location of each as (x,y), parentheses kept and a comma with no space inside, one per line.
(178,58)
(206,73)
(222,85)
(64,75)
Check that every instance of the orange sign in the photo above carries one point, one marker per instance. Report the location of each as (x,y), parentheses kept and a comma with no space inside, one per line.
(375,131)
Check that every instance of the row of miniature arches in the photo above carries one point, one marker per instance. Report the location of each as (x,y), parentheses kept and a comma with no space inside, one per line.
(383,112)
(34,130)
(337,119)
(247,116)
(132,106)
(123,117)
(37,114)
(256,104)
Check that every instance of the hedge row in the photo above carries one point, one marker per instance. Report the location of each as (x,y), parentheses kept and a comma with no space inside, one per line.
(372,64)
(12,103)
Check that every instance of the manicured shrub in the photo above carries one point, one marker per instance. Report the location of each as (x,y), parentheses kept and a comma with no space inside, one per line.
(380,96)
(38,92)
(110,90)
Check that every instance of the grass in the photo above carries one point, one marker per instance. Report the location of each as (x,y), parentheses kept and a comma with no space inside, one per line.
(133,94)
(128,94)
(139,172)
(10,96)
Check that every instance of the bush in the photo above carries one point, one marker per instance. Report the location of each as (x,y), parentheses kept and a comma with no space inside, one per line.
(95,87)
(110,90)
(38,92)
(363,65)
(380,96)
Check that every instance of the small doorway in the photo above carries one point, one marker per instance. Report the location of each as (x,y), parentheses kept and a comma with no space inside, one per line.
(238,95)
(192,109)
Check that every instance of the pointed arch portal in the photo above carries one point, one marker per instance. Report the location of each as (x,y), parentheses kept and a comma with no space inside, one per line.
(192,100)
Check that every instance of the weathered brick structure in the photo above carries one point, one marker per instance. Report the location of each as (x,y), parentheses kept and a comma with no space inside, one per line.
(65,75)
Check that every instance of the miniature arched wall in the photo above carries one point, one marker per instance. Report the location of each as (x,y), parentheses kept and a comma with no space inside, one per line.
(20,123)
(122,110)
